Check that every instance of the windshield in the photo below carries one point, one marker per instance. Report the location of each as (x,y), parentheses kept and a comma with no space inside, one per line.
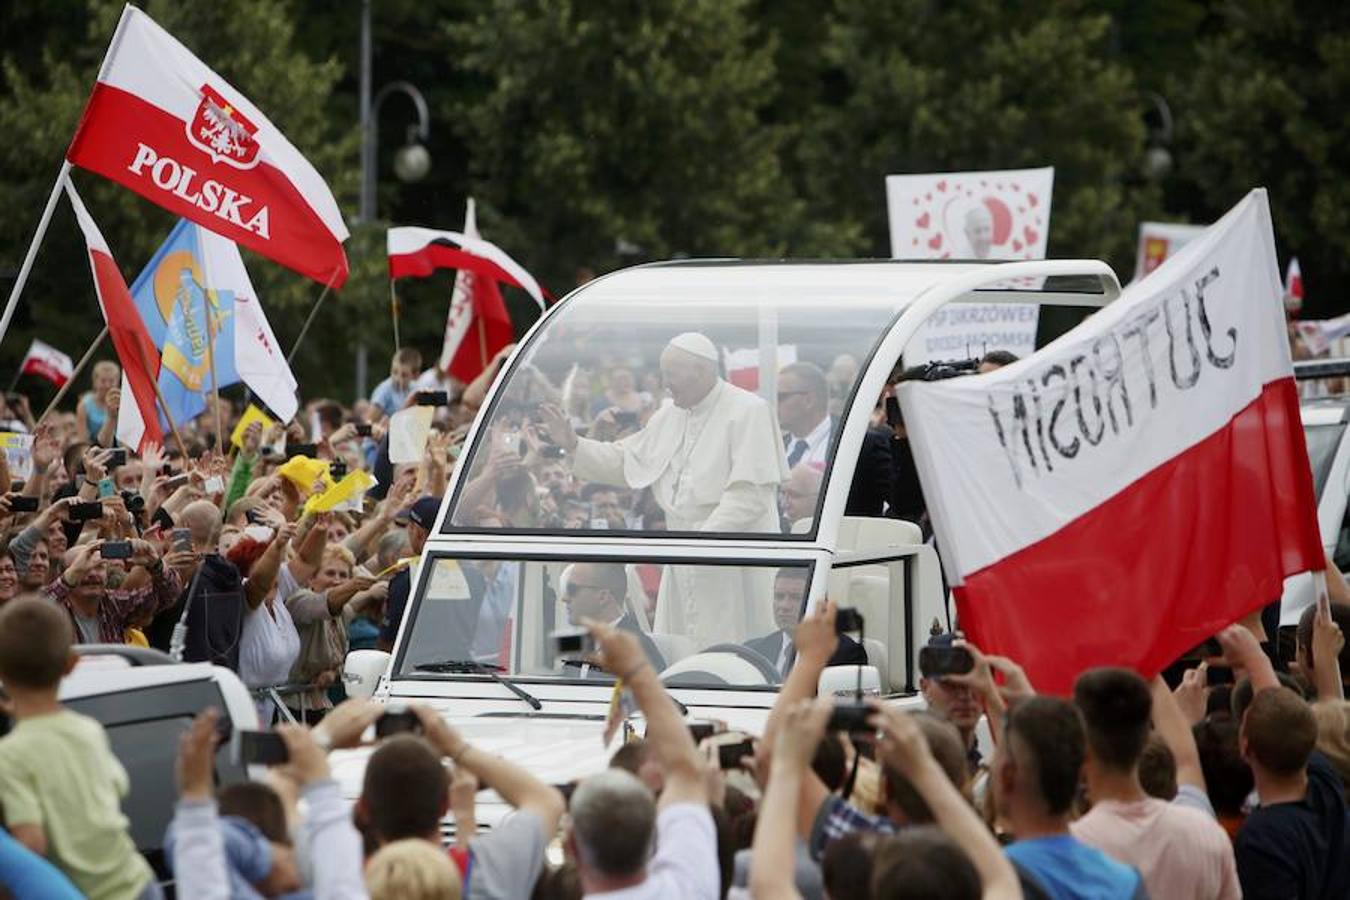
(711,409)
(1322,443)
(721,625)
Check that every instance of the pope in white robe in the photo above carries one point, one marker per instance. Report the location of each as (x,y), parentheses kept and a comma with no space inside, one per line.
(714,461)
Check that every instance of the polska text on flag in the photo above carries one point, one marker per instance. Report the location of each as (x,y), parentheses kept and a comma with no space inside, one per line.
(163,124)
(45,361)
(1138,484)
(137,420)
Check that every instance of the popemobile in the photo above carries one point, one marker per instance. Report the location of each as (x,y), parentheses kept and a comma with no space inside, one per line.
(737,526)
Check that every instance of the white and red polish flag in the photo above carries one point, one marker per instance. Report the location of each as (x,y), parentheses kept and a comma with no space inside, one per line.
(45,361)
(1127,491)
(138,419)
(478,324)
(164,125)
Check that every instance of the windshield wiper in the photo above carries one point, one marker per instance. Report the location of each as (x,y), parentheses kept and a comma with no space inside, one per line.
(474,667)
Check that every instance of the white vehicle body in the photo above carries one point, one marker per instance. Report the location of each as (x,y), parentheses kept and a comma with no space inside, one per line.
(881,566)
(1325,427)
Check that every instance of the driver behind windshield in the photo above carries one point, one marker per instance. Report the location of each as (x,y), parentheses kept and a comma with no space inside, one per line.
(596,592)
(714,461)
(789,590)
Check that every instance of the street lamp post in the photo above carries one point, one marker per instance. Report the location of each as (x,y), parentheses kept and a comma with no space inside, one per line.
(410,164)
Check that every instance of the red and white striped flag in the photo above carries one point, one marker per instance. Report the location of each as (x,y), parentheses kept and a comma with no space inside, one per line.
(477,325)
(45,361)
(1293,286)
(1127,491)
(135,348)
(163,124)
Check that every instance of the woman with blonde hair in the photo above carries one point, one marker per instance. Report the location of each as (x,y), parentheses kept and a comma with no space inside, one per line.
(93,410)
(412,869)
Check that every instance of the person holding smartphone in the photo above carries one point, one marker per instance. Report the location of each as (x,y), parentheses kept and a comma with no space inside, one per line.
(100,614)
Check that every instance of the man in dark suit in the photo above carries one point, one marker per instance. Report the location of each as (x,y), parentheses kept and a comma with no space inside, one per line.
(597,591)
(789,588)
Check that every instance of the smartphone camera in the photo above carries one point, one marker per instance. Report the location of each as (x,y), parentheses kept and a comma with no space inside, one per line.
(729,756)
(86,512)
(337,470)
(432,398)
(850,716)
(363,430)
(397,719)
(263,748)
(115,550)
(848,621)
(18,503)
(182,540)
(117,459)
(893,417)
(935,662)
(573,642)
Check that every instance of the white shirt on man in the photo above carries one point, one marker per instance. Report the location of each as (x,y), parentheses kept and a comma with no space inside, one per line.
(817,444)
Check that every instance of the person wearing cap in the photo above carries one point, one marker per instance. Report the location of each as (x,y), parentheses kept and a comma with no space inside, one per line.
(713,458)
(421,518)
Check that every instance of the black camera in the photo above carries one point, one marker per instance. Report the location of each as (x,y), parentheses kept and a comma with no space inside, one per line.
(135,503)
(850,716)
(848,621)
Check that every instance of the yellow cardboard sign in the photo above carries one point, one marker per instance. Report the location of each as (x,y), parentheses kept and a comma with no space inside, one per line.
(251,415)
(350,488)
(302,472)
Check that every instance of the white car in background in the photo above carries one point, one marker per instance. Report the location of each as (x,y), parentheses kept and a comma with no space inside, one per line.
(145,701)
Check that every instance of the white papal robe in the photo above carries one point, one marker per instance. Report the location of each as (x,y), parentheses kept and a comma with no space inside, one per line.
(714,467)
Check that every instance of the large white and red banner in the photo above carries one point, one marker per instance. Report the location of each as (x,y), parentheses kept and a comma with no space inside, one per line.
(478,324)
(135,348)
(163,124)
(1001,214)
(1136,485)
(45,361)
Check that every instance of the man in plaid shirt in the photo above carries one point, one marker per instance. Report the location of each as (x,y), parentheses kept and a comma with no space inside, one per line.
(100,614)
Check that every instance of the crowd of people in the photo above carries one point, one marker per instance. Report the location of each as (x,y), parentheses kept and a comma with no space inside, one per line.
(1130,788)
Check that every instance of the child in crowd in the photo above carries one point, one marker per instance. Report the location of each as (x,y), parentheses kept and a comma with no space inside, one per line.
(60,784)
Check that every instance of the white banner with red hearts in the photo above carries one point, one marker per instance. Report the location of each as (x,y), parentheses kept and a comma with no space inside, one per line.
(969,216)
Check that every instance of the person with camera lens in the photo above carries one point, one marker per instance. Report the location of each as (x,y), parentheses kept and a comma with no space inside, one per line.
(100,614)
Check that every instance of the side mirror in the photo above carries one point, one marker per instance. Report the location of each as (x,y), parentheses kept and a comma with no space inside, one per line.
(845,681)
(362,670)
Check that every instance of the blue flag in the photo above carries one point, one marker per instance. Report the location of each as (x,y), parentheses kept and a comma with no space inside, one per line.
(173,299)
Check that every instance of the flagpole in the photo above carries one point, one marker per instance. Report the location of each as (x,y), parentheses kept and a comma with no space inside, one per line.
(159,397)
(211,364)
(393,312)
(312,313)
(74,374)
(33,248)
(482,341)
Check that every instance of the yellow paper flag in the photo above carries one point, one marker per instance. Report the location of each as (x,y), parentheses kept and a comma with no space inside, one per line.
(251,415)
(302,472)
(349,488)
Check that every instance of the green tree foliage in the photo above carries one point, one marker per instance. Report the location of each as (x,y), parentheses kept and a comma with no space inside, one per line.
(1263,105)
(249,42)
(919,86)
(602,122)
